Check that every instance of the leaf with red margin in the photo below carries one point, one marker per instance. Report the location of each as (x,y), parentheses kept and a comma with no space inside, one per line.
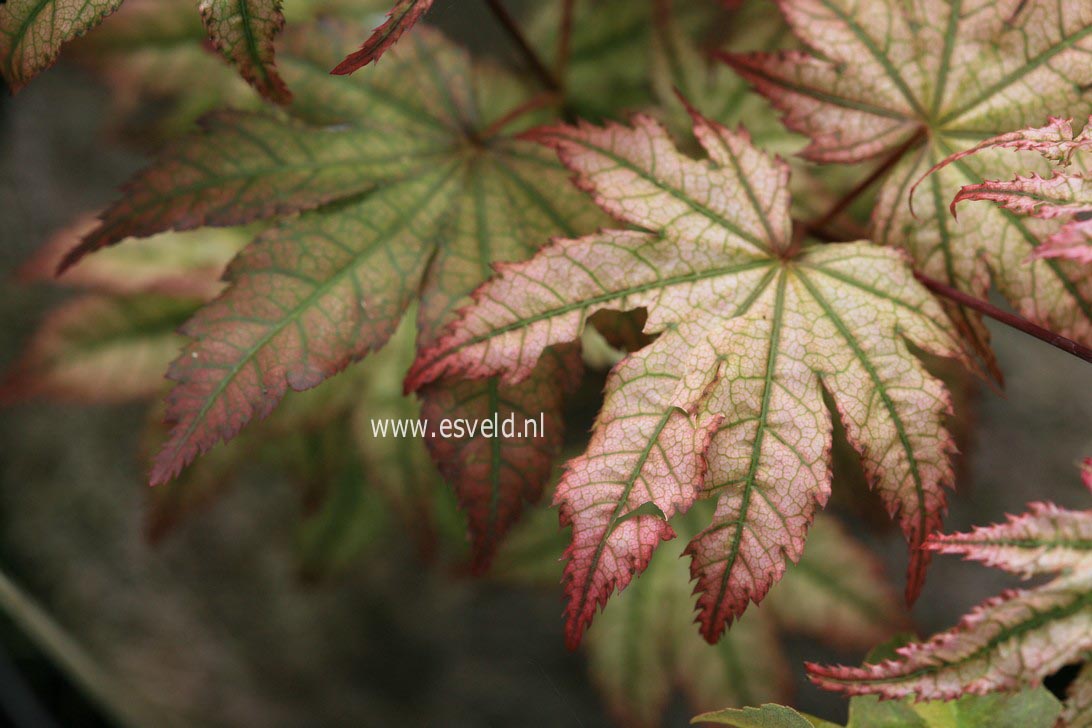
(403,16)
(1009,641)
(913,82)
(751,329)
(1065,196)
(243,32)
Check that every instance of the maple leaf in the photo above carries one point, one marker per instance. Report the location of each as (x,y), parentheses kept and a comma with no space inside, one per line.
(913,83)
(406,194)
(1009,641)
(727,402)
(1065,196)
(403,16)
(33,31)
(243,32)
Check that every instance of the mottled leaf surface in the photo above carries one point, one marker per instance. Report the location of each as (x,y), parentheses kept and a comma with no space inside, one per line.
(727,402)
(33,31)
(1064,196)
(918,82)
(243,32)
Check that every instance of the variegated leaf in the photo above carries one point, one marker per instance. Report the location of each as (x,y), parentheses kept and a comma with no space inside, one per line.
(1010,641)
(727,402)
(915,83)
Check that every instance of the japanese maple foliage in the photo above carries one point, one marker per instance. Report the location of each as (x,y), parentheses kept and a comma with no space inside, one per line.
(1007,642)
(1065,196)
(422,233)
(727,402)
(911,84)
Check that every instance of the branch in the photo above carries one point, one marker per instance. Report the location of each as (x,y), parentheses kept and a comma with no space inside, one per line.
(881,169)
(543,99)
(509,24)
(1009,319)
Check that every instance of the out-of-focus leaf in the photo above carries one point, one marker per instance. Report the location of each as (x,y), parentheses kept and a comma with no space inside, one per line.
(837,592)
(645,645)
(99,349)
(177,264)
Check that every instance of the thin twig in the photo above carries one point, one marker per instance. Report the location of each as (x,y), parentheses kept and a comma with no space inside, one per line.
(546,98)
(1009,319)
(883,168)
(509,24)
(564,39)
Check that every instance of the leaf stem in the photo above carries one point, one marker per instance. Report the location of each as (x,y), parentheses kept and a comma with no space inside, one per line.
(861,187)
(546,98)
(1009,319)
(509,24)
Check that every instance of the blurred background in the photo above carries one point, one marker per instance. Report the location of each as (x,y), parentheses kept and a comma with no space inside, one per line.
(215,626)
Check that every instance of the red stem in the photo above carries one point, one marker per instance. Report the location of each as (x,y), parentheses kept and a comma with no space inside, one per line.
(545,98)
(881,169)
(1009,319)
